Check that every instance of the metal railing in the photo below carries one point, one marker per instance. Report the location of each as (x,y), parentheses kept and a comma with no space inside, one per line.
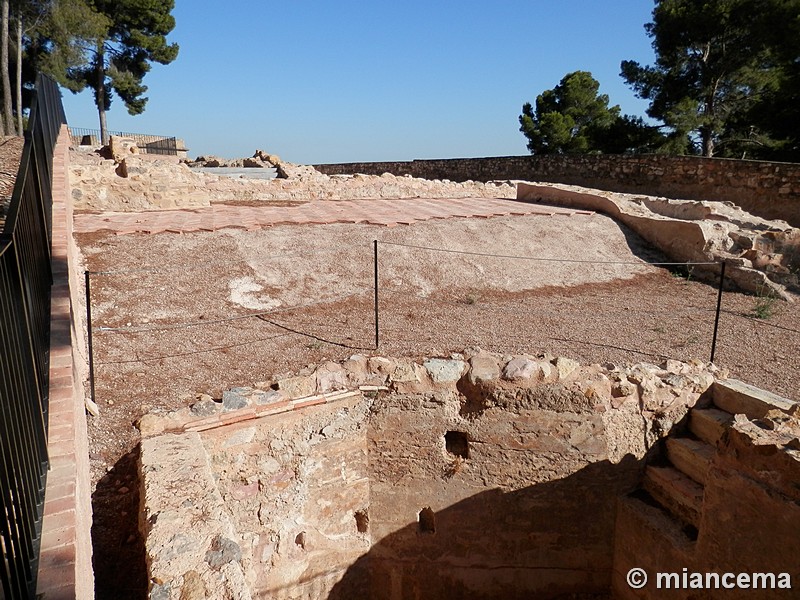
(147,144)
(25,286)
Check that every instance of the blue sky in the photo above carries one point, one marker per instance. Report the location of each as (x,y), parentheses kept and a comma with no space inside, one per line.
(319,81)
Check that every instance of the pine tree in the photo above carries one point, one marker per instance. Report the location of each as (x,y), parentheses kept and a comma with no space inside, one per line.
(106,46)
(574,118)
(718,64)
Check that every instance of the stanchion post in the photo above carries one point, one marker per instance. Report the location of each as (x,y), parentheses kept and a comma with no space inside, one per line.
(89,333)
(375,259)
(719,308)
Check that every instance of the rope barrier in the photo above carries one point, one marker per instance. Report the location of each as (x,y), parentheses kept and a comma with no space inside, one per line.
(760,321)
(203,264)
(193,352)
(186,324)
(564,260)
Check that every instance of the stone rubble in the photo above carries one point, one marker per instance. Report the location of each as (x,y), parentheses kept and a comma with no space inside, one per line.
(663,392)
(259,507)
(142,183)
(762,256)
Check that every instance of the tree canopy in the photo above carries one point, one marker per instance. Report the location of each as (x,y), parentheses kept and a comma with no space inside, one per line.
(103,45)
(574,118)
(726,75)
(134,36)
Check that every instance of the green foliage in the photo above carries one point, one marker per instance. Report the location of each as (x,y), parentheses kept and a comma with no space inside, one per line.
(104,45)
(726,75)
(574,118)
(64,39)
(764,307)
(628,134)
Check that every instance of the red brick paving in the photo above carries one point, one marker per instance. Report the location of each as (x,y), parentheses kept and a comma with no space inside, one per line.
(376,212)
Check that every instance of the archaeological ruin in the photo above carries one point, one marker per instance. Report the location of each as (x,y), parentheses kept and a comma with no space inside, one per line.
(472,476)
(446,469)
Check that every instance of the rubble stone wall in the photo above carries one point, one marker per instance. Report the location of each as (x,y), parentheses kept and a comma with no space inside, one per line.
(749,524)
(141,182)
(475,475)
(767,189)
(530,512)
(295,485)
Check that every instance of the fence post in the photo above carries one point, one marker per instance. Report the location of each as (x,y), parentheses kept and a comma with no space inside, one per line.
(719,306)
(89,333)
(375,259)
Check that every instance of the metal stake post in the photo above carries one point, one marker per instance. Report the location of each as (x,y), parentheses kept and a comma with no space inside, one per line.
(375,258)
(719,307)
(89,333)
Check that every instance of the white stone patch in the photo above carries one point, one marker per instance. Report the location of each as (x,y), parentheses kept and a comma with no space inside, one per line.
(244,291)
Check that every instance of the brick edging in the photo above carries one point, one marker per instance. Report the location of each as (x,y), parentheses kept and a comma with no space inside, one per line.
(65,565)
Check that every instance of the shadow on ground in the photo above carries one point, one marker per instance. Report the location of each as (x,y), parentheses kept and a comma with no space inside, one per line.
(118,549)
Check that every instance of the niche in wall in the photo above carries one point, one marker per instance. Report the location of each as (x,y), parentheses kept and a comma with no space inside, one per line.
(427,520)
(457,443)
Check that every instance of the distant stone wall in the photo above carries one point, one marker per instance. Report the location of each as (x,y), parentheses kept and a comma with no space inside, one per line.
(767,189)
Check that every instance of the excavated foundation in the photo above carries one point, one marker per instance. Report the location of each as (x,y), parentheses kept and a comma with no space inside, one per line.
(475,476)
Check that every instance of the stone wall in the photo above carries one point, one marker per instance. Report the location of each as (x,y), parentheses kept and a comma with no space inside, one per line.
(748,515)
(766,189)
(294,486)
(471,476)
(151,182)
(458,477)
(492,503)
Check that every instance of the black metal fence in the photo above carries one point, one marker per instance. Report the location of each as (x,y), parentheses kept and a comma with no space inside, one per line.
(25,282)
(147,144)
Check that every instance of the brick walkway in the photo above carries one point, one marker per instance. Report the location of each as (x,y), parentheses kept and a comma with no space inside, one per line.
(376,212)
(65,563)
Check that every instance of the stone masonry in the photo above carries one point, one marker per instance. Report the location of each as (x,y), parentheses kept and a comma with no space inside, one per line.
(331,482)
(767,189)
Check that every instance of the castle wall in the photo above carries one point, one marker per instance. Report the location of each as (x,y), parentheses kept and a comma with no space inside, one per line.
(766,189)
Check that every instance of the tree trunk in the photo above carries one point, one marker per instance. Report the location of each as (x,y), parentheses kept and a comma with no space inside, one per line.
(20,126)
(708,142)
(7,111)
(104,139)
(100,95)
(8,119)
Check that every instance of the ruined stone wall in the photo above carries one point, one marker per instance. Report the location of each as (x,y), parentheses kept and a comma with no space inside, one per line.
(515,500)
(477,475)
(296,488)
(749,523)
(152,182)
(766,189)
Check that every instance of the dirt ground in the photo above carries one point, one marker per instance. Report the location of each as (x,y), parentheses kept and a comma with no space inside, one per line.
(10,155)
(173,318)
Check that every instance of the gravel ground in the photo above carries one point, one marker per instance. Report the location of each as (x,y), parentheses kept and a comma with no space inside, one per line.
(178,324)
(183,329)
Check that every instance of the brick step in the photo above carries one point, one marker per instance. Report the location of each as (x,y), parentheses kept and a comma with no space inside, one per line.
(736,397)
(690,457)
(681,496)
(709,424)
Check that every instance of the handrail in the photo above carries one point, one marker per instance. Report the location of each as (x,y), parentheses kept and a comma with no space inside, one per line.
(25,295)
